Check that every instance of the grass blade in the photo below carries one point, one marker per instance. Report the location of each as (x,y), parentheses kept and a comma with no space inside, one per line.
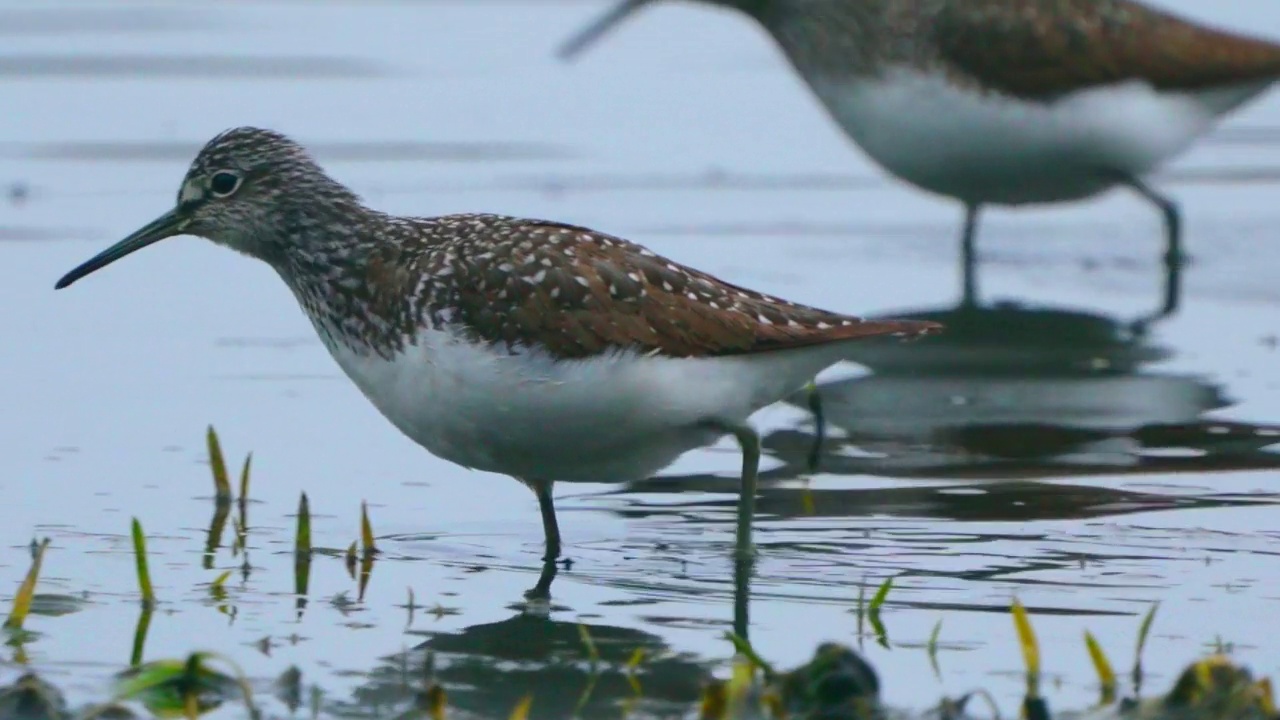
(1101,665)
(26,590)
(302,539)
(637,657)
(593,653)
(715,701)
(243,501)
(436,701)
(873,613)
(743,647)
(218,464)
(140,559)
(366,530)
(1033,705)
(1143,631)
(221,511)
(351,560)
(1030,648)
(242,505)
(877,601)
(366,569)
(521,710)
(244,478)
(932,649)
(302,555)
(140,636)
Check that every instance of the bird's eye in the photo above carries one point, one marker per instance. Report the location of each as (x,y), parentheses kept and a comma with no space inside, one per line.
(224,183)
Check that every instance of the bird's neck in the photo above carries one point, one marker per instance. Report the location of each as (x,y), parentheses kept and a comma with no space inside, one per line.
(350,285)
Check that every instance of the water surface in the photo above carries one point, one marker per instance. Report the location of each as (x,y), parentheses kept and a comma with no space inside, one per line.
(1043,449)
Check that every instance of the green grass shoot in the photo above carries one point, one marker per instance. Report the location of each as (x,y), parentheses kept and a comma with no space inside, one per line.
(1143,631)
(436,701)
(26,590)
(302,539)
(873,612)
(1030,648)
(241,525)
(302,555)
(593,653)
(217,588)
(352,560)
(218,592)
(218,464)
(218,524)
(932,649)
(366,531)
(184,688)
(140,636)
(521,710)
(715,701)
(366,571)
(593,658)
(633,664)
(877,601)
(140,559)
(1101,665)
(743,647)
(244,478)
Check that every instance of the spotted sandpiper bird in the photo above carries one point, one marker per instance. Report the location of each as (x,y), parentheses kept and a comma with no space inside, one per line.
(1012,102)
(529,348)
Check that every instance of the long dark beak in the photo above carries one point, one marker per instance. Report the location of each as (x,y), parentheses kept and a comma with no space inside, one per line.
(167,225)
(597,29)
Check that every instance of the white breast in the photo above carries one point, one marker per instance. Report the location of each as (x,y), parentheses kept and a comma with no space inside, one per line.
(986,147)
(617,417)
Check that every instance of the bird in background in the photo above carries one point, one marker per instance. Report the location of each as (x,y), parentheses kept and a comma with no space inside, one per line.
(1012,102)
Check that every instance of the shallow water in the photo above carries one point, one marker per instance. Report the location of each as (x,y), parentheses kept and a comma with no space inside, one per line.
(1040,450)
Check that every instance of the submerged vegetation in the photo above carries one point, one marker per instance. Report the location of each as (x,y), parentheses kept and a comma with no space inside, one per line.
(837,683)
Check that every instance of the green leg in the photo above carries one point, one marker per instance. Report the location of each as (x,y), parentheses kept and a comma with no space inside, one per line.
(1173,256)
(969,257)
(819,425)
(551,532)
(550,528)
(749,440)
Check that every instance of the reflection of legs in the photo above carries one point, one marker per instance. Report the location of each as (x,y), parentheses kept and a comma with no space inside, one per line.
(742,566)
(1173,257)
(969,256)
(543,589)
(819,425)
(744,554)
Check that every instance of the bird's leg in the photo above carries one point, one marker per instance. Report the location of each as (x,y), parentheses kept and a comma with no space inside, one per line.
(1173,256)
(749,440)
(551,532)
(819,425)
(969,256)
(550,528)
(542,590)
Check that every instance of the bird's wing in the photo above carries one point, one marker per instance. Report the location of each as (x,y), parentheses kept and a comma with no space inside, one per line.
(577,293)
(1041,49)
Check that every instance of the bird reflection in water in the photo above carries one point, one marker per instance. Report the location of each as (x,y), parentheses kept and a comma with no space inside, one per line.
(1013,394)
